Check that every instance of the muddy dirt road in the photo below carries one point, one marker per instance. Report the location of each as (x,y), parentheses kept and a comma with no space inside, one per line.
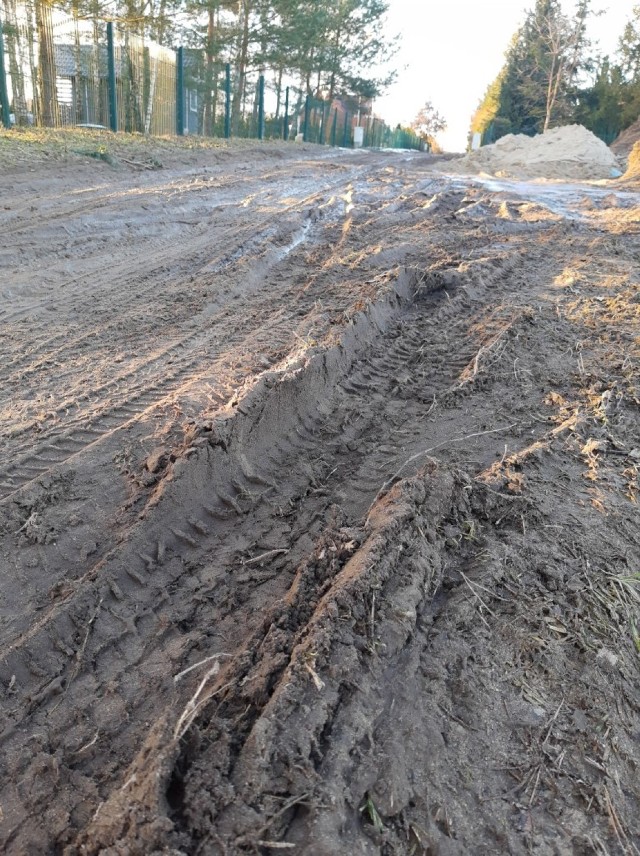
(318,509)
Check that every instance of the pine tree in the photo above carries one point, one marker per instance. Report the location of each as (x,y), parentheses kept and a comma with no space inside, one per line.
(598,106)
(536,87)
(629,48)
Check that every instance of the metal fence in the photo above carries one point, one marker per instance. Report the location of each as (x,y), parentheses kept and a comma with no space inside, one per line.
(59,71)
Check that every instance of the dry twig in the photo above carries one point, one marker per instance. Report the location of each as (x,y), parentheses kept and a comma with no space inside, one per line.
(477,596)
(195,703)
(266,555)
(198,664)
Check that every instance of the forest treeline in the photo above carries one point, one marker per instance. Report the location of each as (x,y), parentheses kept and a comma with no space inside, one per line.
(553,76)
(324,48)
(319,49)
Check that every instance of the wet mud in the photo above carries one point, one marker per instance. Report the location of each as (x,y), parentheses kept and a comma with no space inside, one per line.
(319,516)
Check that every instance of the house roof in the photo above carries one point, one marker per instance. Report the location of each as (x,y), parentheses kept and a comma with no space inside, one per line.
(81,60)
(89,61)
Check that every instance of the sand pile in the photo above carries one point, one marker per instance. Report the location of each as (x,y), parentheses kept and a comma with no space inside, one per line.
(571,152)
(632,175)
(622,146)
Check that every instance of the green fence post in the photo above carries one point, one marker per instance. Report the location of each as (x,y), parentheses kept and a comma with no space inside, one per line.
(285,130)
(334,127)
(227,101)
(261,107)
(4,93)
(180,92)
(111,73)
(305,127)
(345,135)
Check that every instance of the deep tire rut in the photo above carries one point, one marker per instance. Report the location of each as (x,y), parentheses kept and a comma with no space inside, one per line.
(244,605)
(220,503)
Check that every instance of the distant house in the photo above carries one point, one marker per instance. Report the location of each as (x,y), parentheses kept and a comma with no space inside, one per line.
(81,83)
(348,112)
(145,85)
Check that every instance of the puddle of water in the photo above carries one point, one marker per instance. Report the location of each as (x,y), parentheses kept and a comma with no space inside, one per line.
(571,201)
(298,238)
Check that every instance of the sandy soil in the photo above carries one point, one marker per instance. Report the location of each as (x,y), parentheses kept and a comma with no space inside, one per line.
(318,517)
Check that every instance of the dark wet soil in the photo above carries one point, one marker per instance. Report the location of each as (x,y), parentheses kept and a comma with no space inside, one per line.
(322,537)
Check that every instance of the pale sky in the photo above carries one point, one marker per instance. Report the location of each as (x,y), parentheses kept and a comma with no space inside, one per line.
(452,50)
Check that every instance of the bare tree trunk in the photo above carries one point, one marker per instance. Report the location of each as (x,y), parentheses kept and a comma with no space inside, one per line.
(307,83)
(16,64)
(151,97)
(552,96)
(132,99)
(549,102)
(214,112)
(98,112)
(33,66)
(80,108)
(49,111)
(243,56)
(332,81)
(278,92)
(208,107)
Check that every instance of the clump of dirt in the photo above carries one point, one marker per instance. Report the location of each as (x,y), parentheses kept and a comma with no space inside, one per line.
(570,152)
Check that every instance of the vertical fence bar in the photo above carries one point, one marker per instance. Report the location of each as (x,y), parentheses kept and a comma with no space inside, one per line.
(285,129)
(305,126)
(261,107)
(345,135)
(111,72)
(227,101)
(4,94)
(180,92)
(334,127)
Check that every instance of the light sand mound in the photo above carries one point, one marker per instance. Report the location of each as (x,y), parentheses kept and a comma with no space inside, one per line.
(632,175)
(623,145)
(570,152)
